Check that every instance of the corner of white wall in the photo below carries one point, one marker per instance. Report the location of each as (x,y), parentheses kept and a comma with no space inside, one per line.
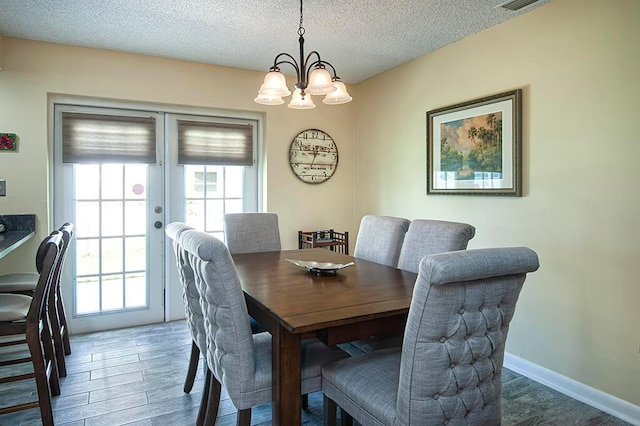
(602,401)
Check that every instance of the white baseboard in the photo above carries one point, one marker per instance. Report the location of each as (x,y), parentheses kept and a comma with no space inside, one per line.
(610,404)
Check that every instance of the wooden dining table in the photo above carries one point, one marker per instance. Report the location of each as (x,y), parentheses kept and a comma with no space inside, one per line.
(363,300)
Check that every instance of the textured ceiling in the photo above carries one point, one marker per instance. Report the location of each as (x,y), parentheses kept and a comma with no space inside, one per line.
(361,38)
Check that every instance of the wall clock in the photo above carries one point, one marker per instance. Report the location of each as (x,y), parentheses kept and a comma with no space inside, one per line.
(313,156)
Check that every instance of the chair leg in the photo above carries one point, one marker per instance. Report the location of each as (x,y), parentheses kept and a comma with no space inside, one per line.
(62,318)
(244,417)
(345,418)
(329,408)
(42,385)
(193,368)
(204,401)
(215,388)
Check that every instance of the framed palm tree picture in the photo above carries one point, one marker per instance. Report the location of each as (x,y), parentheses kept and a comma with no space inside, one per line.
(475,147)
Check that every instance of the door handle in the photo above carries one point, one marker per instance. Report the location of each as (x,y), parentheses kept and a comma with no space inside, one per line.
(157,224)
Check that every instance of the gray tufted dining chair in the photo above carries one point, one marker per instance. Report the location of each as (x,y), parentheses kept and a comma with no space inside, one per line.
(236,358)
(449,368)
(423,238)
(380,239)
(426,237)
(251,232)
(191,299)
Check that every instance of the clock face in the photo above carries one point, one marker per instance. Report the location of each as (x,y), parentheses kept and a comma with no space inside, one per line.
(313,156)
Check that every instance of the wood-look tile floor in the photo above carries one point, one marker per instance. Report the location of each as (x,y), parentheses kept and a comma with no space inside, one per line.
(135,377)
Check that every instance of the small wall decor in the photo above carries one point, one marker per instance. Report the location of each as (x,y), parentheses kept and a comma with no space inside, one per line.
(8,141)
(474,148)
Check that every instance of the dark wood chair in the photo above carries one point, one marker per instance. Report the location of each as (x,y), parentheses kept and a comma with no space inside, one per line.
(27,318)
(26,282)
(57,315)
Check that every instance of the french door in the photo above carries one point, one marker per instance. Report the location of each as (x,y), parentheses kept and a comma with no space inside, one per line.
(120,270)
(115,266)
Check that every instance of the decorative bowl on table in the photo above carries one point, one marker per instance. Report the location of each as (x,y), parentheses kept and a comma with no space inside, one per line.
(319,267)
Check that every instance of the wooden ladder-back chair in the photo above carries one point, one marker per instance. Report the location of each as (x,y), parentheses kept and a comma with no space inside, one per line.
(27,316)
(26,282)
(57,314)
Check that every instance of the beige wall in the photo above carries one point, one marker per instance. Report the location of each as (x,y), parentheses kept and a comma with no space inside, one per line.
(578,65)
(32,70)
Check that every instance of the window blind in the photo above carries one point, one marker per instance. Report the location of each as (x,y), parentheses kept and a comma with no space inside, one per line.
(219,144)
(100,138)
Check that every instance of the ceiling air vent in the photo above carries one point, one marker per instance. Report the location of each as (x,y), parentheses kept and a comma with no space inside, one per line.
(516,4)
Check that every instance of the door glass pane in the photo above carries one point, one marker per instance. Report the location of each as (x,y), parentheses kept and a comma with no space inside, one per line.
(112,292)
(86,178)
(135,213)
(135,253)
(88,256)
(193,179)
(234,182)
(135,295)
(111,180)
(194,214)
(88,291)
(135,181)
(112,255)
(86,223)
(112,218)
(215,215)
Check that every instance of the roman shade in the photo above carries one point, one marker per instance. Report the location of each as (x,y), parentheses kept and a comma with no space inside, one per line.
(214,143)
(103,138)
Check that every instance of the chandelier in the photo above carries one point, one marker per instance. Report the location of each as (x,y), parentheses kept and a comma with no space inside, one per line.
(313,79)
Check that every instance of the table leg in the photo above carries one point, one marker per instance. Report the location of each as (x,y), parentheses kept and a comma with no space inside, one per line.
(286,378)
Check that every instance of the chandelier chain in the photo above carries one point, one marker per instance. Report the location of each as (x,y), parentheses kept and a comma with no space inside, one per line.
(300,28)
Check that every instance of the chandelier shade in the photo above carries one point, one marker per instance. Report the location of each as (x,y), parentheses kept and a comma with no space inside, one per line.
(274,84)
(320,82)
(269,99)
(300,101)
(339,96)
(313,78)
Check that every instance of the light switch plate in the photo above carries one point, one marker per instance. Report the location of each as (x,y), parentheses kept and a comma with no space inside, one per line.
(3,188)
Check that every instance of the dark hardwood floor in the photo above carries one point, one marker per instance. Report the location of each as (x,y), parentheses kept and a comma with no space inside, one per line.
(135,376)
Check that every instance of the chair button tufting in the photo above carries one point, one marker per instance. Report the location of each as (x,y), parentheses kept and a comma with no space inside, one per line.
(436,396)
(446,422)
(461,311)
(443,339)
(467,337)
(452,365)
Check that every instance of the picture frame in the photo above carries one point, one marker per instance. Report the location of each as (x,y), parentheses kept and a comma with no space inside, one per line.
(475,147)
(8,141)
